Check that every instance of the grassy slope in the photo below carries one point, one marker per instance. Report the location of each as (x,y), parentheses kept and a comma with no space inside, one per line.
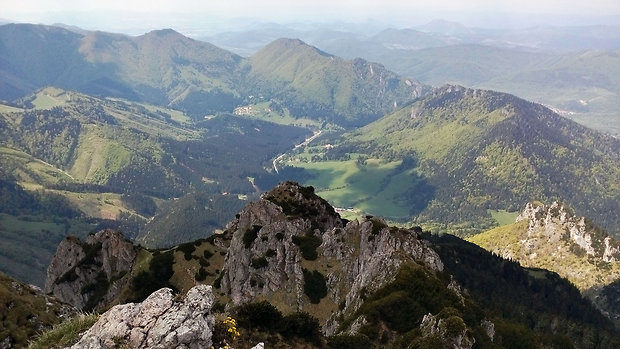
(314,83)
(25,311)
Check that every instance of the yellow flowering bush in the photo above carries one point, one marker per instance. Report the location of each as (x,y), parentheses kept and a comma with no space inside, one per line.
(225,333)
(231,324)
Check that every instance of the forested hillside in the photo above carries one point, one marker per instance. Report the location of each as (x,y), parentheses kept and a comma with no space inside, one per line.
(458,155)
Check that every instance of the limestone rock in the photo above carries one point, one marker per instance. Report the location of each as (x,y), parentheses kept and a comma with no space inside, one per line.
(267,256)
(452,330)
(80,270)
(158,322)
(555,223)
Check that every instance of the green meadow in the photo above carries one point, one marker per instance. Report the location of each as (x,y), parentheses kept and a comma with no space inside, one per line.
(373,187)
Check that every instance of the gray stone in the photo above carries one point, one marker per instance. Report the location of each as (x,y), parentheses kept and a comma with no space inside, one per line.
(158,322)
(77,264)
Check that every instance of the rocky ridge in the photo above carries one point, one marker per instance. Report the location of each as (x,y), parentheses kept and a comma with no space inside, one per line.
(553,237)
(276,241)
(557,223)
(89,274)
(340,281)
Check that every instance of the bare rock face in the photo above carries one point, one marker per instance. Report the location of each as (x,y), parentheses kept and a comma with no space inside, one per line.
(555,223)
(158,322)
(291,237)
(88,274)
(451,329)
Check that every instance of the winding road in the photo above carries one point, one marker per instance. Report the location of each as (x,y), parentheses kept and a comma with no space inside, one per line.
(302,144)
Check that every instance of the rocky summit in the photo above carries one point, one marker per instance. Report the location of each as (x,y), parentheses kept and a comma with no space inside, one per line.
(275,247)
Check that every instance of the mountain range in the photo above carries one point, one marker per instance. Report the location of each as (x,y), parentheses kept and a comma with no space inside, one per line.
(167,138)
(452,159)
(571,69)
(387,285)
(166,68)
(458,155)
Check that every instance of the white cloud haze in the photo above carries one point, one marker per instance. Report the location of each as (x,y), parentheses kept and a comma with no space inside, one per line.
(165,13)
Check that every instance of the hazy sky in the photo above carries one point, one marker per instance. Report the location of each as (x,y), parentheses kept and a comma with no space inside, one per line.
(120,14)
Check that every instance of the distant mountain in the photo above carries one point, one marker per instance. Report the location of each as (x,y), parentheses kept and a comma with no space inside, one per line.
(571,69)
(161,67)
(552,237)
(311,82)
(456,153)
(290,269)
(446,27)
(168,69)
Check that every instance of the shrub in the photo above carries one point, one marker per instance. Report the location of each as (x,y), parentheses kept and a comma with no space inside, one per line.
(307,245)
(187,249)
(301,325)
(347,341)
(377,225)
(259,262)
(315,286)
(250,235)
(260,315)
(158,276)
(270,253)
(201,275)
(203,262)
(96,291)
(207,254)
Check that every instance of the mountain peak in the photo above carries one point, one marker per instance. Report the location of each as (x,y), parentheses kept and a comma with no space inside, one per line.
(163,32)
(293,44)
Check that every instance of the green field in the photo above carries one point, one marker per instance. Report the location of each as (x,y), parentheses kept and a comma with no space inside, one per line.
(503,217)
(372,188)
(262,111)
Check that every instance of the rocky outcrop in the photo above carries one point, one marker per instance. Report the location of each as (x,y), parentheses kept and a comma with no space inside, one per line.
(276,243)
(555,223)
(90,273)
(158,322)
(451,329)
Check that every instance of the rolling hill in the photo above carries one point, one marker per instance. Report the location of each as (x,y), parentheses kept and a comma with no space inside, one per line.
(165,68)
(161,67)
(311,82)
(458,154)
(72,163)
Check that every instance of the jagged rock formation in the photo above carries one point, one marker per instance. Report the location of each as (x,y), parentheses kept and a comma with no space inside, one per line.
(276,241)
(450,329)
(553,237)
(90,273)
(555,223)
(361,282)
(158,322)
